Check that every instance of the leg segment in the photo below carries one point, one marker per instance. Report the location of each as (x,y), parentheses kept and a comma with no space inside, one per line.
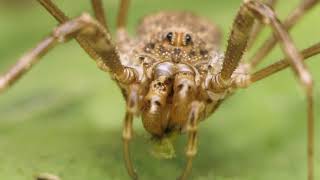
(282,64)
(247,79)
(127,136)
(132,108)
(84,27)
(237,44)
(54,10)
(123,14)
(98,9)
(196,113)
(25,63)
(62,18)
(239,36)
(257,27)
(291,20)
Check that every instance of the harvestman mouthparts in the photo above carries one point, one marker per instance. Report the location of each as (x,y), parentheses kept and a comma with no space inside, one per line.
(172,73)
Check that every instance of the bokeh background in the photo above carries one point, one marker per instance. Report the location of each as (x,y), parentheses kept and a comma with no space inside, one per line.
(65,116)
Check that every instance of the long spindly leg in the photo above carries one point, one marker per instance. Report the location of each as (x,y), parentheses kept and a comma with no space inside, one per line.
(247,79)
(123,39)
(122,36)
(291,20)
(257,27)
(62,18)
(238,41)
(280,65)
(132,108)
(25,63)
(242,27)
(86,28)
(127,136)
(98,9)
(54,10)
(196,113)
(283,64)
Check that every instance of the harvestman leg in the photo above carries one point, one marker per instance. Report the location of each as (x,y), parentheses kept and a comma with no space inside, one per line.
(132,101)
(25,63)
(84,27)
(279,66)
(132,109)
(62,18)
(197,108)
(121,23)
(124,41)
(257,27)
(236,46)
(98,10)
(284,63)
(123,14)
(291,20)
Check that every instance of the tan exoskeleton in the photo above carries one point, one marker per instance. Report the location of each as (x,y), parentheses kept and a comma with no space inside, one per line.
(173,74)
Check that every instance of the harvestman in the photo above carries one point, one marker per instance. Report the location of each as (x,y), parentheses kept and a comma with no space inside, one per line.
(172,73)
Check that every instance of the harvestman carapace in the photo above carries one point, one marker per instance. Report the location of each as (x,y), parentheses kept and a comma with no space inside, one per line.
(172,73)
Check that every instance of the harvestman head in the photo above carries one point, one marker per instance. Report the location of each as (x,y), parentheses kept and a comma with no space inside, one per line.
(172,73)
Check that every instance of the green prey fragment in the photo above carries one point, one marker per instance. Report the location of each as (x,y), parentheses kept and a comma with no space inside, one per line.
(163,148)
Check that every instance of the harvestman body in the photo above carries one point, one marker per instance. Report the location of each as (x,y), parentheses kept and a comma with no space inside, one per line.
(172,74)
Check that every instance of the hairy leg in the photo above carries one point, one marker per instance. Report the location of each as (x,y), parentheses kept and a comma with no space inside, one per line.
(291,20)
(196,113)
(237,44)
(84,27)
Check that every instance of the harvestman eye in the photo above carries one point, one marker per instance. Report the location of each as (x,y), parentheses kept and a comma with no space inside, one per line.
(188,39)
(186,109)
(169,36)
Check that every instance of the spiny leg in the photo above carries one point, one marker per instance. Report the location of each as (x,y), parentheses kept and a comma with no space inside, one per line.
(98,9)
(258,26)
(238,41)
(132,108)
(88,29)
(291,20)
(196,113)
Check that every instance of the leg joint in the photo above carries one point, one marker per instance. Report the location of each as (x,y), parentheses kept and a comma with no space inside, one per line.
(260,10)
(191,152)
(126,135)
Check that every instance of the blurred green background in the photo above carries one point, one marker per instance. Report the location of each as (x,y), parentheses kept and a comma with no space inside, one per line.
(65,116)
